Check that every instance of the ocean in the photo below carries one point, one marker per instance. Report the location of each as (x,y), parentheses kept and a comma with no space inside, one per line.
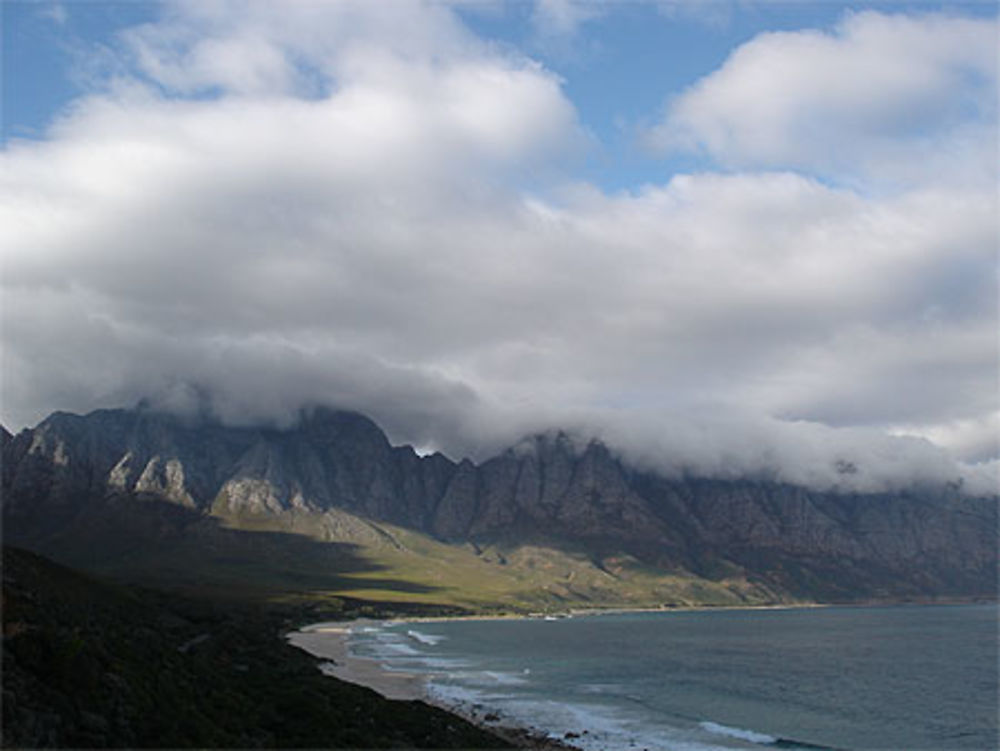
(904,677)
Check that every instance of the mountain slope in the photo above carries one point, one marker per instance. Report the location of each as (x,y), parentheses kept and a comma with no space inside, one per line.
(330,505)
(90,665)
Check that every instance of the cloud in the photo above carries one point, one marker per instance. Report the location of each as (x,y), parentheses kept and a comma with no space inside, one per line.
(976,438)
(880,100)
(55,12)
(382,216)
(735,445)
(562,18)
(557,22)
(254,47)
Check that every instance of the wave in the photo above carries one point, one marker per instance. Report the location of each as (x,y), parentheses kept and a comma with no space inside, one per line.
(512,697)
(465,698)
(388,650)
(438,664)
(488,678)
(593,727)
(402,651)
(428,639)
(329,668)
(382,645)
(763,739)
(739,733)
(590,727)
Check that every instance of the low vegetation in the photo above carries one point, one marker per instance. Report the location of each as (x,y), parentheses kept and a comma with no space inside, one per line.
(394,564)
(88,664)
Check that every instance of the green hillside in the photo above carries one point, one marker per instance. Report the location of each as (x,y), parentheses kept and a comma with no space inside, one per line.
(400,565)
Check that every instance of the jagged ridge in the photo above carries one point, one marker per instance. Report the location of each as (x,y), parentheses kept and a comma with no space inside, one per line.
(547,490)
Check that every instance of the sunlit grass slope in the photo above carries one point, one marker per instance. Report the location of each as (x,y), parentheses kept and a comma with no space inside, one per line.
(399,565)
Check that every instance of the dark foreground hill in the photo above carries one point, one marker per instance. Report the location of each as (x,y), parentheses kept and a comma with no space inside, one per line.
(92,665)
(329,505)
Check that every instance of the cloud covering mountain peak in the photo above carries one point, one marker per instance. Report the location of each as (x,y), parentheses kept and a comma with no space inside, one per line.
(331,203)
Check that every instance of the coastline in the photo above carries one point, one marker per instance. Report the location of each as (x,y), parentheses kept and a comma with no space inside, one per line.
(331,642)
(625,610)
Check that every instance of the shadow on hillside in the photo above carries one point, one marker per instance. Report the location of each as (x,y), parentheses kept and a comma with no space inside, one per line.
(164,545)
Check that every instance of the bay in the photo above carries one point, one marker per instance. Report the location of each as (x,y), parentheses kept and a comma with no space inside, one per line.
(914,677)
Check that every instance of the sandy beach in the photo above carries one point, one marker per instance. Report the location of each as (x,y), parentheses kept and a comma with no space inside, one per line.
(331,642)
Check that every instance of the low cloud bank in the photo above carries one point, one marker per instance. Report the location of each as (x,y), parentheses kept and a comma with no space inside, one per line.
(438,415)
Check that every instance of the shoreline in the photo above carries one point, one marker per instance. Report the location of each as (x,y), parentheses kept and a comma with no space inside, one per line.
(625,610)
(331,642)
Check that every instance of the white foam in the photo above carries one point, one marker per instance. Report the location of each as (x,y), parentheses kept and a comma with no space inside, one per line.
(383,646)
(393,648)
(489,678)
(388,645)
(328,668)
(389,652)
(740,733)
(504,679)
(606,729)
(452,695)
(601,689)
(510,695)
(591,727)
(428,639)
(443,663)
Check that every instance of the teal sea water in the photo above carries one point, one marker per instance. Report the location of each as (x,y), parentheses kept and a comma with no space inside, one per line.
(908,677)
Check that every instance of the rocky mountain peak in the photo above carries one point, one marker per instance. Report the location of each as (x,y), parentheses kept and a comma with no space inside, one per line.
(550,443)
(551,487)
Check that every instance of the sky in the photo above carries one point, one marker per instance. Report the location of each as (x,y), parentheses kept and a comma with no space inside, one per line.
(726,237)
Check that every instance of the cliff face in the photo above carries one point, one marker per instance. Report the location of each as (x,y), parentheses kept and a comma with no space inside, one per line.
(333,459)
(545,490)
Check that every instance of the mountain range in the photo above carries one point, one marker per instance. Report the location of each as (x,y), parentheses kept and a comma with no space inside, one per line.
(328,507)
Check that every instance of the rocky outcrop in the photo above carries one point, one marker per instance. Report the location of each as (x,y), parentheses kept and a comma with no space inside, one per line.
(548,489)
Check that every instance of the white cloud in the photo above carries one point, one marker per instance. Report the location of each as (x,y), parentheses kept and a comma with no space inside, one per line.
(258,47)
(562,18)
(380,220)
(883,99)
(55,12)
(733,445)
(975,438)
